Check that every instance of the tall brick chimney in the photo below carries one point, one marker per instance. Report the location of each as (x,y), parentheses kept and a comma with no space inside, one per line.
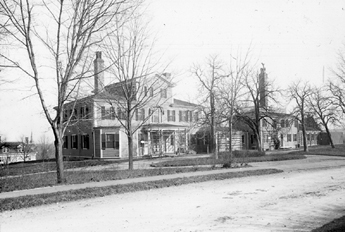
(98,72)
(263,87)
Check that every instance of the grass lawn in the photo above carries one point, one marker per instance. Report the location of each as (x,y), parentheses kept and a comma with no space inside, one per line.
(73,195)
(37,167)
(337,225)
(78,177)
(224,159)
(339,150)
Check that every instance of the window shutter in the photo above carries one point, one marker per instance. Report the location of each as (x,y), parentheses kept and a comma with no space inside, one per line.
(112,113)
(103,142)
(66,142)
(103,112)
(119,113)
(168,112)
(196,116)
(117,141)
(180,115)
(76,141)
(151,92)
(75,114)
(190,116)
(173,115)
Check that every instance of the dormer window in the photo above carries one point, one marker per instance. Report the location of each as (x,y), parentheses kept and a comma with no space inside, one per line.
(75,115)
(163,93)
(65,116)
(151,92)
(82,112)
(296,123)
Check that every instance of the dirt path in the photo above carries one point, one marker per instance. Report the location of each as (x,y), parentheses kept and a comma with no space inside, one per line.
(295,200)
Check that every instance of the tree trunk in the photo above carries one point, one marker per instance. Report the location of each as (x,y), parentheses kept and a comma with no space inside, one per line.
(213,127)
(258,140)
(230,137)
(305,144)
(130,151)
(59,158)
(329,136)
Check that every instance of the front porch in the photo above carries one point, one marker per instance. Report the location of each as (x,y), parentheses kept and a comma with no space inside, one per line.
(163,140)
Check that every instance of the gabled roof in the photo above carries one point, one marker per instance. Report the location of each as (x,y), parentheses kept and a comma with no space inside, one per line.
(271,112)
(11,145)
(106,95)
(178,102)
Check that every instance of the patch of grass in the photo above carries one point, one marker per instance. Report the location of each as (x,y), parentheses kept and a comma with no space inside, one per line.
(337,225)
(37,167)
(78,177)
(246,153)
(73,195)
(223,159)
(339,150)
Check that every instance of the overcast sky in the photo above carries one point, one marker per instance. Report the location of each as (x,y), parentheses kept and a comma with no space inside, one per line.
(294,39)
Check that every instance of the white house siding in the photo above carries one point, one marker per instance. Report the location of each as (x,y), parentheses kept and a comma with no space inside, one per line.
(167,128)
(311,138)
(237,142)
(286,132)
(11,157)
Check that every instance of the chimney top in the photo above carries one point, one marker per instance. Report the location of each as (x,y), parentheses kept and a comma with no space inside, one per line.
(167,75)
(99,54)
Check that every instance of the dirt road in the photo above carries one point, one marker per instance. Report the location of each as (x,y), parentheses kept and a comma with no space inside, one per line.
(308,194)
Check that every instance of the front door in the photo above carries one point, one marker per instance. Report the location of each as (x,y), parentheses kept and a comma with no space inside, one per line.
(169,143)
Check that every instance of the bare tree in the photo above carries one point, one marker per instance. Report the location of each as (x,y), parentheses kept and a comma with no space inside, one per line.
(45,148)
(259,90)
(67,30)
(26,148)
(299,92)
(231,91)
(210,78)
(337,86)
(139,81)
(324,110)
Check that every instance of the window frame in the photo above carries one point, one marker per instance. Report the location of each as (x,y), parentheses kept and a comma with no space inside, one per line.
(103,113)
(113,144)
(65,142)
(164,93)
(85,141)
(289,138)
(74,141)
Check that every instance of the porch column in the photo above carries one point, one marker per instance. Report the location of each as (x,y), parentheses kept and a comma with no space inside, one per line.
(161,137)
(186,138)
(149,143)
(174,134)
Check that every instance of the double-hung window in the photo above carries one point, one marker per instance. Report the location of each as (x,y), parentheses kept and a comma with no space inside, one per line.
(110,141)
(85,141)
(65,142)
(74,141)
